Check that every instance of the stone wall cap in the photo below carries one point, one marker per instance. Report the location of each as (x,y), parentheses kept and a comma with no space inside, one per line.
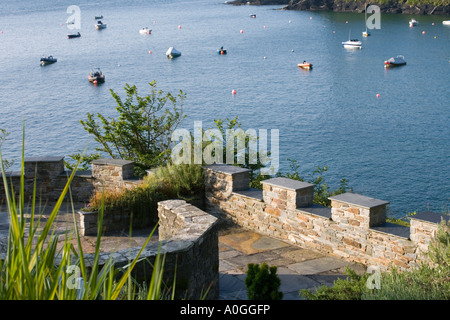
(432,217)
(359,200)
(226,168)
(287,183)
(115,162)
(44,159)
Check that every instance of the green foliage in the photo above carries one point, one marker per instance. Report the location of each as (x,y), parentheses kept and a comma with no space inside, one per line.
(182,181)
(262,282)
(142,132)
(350,288)
(83,160)
(439,248)
(167,182)
(422,283)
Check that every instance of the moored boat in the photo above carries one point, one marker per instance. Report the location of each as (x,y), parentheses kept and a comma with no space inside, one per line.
(145,31)
(48,60)
(100,25)
(74,35)
(446,22)
(305,65)
(222,51)
(98,17)
(172,53)
(96,76)
(395,62)
(253,16)
(352,44)
(413,22)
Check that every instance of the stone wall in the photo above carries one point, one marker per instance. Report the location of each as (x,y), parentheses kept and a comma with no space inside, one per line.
(51,178)
(354,228)
(188,240)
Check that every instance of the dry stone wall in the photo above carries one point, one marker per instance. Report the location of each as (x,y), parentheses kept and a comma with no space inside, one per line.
(354,228)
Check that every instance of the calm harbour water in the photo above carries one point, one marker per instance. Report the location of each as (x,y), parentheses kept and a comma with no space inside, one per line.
(393,147)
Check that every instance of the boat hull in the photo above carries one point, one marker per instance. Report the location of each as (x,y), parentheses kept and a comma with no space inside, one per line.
(99,79)
(100,26)
(392,65)
(306,66)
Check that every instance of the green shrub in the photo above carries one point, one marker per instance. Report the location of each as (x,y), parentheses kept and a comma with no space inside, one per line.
(350,288)
(262,282)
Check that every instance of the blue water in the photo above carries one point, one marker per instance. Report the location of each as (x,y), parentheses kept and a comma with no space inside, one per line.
(393,147)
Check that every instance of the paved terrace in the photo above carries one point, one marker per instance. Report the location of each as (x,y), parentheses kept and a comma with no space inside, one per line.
(298,268)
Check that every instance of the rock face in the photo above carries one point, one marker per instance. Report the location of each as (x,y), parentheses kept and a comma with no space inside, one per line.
(400,6)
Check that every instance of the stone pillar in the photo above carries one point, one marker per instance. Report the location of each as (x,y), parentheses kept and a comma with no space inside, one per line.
(283,193)
(358,210)
(46,171)
(112,169)
(423,229)
(222,180)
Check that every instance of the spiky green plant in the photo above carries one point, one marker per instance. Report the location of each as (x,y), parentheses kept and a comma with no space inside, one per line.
(33,269)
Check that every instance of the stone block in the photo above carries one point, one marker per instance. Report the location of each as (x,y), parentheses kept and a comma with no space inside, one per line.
(351,208)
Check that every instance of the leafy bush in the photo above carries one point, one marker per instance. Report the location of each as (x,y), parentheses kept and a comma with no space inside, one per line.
(143,129)
(350,288)
(262,282)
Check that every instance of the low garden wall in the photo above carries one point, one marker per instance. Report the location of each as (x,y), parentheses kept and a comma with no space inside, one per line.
(354,228)
(189,240)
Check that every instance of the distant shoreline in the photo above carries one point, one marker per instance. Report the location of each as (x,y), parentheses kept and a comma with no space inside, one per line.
(425,7)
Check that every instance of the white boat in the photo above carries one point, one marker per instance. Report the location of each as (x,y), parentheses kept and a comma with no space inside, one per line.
(145,31)
(100,25)
(172,53)
(446,22)
(352,43)
(413,23)
(395,62)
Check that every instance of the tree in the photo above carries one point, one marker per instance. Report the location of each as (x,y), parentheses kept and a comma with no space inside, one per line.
(142,132)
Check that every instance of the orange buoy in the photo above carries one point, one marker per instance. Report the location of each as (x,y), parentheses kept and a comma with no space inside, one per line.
(233,91)
(95,81)
(179,27)
(423,32)
(378,95)
(150,52)
(242,31)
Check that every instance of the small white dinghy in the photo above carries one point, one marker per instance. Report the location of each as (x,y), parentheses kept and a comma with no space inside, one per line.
(145,31)
(172,53)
